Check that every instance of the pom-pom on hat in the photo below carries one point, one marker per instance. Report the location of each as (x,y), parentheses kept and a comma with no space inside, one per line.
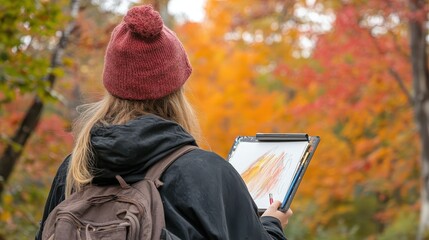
(144,59)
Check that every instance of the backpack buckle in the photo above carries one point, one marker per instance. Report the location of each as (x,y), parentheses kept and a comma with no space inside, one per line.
(158,183)
(122,182)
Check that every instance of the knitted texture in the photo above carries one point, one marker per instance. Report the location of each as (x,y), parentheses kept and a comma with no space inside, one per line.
(144,58)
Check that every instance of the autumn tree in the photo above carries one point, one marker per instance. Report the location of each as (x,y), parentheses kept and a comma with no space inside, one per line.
(31,56)
(51,141)
(419,59)
(14,147)
(399,32)
(252,73)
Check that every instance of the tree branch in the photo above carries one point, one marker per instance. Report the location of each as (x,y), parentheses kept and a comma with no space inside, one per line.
(402,86)
(398,79)
(261,11)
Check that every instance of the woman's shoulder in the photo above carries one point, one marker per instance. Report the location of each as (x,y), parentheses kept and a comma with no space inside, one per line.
(61,174)
(201,163)
(199,158)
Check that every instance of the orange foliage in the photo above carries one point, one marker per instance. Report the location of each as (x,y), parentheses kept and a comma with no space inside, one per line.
(243,84)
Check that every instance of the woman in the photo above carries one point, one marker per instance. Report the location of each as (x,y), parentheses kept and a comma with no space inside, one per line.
(143,118)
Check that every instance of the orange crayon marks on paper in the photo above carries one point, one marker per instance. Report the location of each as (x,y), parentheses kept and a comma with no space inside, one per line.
(269,164)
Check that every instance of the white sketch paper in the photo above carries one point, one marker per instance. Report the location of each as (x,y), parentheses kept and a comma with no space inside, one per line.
(267,167)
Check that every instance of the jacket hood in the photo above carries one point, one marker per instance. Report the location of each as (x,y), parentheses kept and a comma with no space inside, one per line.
(130,149)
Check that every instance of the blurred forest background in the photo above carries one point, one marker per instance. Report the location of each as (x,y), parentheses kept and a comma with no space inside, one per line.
(354,72)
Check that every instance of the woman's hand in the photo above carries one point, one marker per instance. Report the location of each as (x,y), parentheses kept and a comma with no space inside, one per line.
(273,211)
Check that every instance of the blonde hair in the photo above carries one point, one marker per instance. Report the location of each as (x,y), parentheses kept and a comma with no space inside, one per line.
(112,111)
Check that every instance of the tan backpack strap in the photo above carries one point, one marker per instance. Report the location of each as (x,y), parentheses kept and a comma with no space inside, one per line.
(155,172)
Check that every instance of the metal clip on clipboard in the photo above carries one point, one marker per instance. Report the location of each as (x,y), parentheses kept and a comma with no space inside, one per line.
(273,137)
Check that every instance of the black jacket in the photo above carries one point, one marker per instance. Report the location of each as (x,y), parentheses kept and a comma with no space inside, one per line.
(204,197)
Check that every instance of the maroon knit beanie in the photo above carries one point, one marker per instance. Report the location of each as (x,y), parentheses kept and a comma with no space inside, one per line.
(144,59)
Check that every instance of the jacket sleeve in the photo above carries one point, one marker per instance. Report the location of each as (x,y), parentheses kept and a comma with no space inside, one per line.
(272,225)
(56,194)
(205,198)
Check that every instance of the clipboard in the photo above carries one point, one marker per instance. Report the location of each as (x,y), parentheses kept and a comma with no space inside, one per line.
(273,164)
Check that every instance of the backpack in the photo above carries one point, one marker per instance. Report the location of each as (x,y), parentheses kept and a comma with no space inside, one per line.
(117,212)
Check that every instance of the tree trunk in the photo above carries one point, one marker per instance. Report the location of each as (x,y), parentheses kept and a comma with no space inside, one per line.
(12,153)
(420,70)
(162,7)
